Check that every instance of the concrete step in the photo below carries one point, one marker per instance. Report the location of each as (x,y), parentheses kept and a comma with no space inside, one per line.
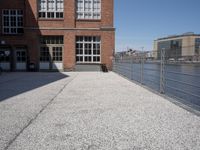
(88,67)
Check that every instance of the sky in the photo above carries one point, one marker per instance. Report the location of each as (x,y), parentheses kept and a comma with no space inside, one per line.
(139,22)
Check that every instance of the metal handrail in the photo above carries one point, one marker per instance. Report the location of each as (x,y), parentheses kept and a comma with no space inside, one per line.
(152,81)
(125,68)
(137,69)
(187,74)
(198,96)
(152,75)
(151,69)
(196,86)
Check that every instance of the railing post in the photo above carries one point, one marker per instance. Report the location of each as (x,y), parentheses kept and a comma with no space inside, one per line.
(114,64)
(162,71)
(141,69)
(131,68)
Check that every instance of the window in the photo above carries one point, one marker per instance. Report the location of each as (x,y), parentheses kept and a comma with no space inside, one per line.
(57,53)
(51,48)
(88,9)
(51,8)
(4,55)
(88,49)
(12,21)
(51,40)
(21,55)
(44,54)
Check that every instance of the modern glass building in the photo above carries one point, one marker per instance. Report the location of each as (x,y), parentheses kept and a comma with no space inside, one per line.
(185,46)
(197,46)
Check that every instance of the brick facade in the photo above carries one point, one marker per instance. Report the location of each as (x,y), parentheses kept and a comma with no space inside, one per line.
(69,27)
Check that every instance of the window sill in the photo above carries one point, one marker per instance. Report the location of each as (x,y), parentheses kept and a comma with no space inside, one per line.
(89,20)
(50,19)
(19,34)
(88,63)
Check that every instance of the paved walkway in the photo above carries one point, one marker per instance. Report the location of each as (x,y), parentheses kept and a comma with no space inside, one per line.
(89,111)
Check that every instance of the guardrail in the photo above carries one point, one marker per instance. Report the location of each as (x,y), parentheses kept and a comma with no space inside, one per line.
(180,80)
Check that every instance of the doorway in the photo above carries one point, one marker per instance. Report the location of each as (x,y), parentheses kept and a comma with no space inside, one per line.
(21,59)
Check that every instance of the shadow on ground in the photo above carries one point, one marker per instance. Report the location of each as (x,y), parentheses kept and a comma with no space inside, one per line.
(13,84)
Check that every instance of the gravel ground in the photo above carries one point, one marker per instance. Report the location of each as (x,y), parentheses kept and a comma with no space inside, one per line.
(91,111)
(22,97)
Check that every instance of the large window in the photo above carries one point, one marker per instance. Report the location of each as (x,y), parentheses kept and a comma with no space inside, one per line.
(51,8)
(88,9)
(51,48)
(88,49)
(12,21)
(21,55)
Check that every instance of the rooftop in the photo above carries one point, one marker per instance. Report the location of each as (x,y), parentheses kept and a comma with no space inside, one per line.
(177,36)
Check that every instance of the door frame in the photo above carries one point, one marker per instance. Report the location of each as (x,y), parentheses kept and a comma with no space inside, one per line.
(26,57)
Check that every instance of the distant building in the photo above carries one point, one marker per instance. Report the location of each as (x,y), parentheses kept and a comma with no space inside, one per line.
(129,52)
(176,47)
(136,54)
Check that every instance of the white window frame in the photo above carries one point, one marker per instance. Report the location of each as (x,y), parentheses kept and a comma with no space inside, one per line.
(57,53)
(53,10)
(92,55)
(9,27)
(19,57)
(50,46)
(92,13)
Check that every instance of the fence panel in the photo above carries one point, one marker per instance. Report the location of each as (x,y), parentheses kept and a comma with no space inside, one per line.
(178,77)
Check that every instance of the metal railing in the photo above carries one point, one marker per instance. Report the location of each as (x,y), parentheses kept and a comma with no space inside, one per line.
(176,78)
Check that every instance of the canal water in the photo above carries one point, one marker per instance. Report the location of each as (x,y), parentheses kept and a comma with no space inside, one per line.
(182,81)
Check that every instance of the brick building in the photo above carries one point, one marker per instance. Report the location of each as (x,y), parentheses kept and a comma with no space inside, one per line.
(56,34)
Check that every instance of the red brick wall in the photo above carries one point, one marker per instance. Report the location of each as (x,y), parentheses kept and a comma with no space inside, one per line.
(9,4)
(107,46)
(69,27)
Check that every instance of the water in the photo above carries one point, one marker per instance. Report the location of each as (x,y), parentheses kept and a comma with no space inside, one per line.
(182,81)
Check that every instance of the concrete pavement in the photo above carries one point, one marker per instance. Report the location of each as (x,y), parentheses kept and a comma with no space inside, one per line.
(90,111)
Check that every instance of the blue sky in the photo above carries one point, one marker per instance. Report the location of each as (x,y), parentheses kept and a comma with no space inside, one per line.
(139,22)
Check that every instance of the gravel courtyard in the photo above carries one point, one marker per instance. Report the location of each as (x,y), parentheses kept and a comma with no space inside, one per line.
(89,111)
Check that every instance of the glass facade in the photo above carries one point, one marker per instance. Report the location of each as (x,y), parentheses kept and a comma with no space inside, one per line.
(173,49)
(197,46)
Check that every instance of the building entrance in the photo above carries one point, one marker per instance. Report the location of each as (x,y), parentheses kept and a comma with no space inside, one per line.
(5,59)
(21,59)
